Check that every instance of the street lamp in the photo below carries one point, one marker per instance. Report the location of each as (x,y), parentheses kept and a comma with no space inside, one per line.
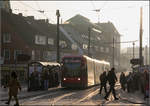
(113,52)
(133,49)
(89,29)
(58,15)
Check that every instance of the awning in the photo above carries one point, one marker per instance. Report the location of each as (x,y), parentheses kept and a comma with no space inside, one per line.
(45,63)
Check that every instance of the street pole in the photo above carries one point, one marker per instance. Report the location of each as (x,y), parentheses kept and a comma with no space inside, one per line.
(58,15)
(133,49)
(149,49)
(146,55)
(89,29)
(141,31)
(113,52)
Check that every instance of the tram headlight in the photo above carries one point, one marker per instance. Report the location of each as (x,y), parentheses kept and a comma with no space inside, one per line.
(64,79)
(79,79)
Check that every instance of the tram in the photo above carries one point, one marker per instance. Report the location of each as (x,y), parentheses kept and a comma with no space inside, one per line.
(81,71)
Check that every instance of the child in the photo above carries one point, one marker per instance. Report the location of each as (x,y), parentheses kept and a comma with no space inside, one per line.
(13,86)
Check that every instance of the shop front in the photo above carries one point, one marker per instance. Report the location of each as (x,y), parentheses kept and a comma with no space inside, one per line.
(20,69)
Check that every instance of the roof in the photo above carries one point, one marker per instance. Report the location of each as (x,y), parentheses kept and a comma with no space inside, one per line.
(27,28)
(79,25)
(19,26)
(45,63)
(78,17)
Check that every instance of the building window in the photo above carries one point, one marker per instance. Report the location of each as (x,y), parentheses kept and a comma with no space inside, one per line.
(16,53)
(6,37)
(96,48)
(40,40)
(50,41)
(46,55)
(107,50)
(84,36)
(74,47)
(63,44)
(6,54)
(102,49)
(85,46)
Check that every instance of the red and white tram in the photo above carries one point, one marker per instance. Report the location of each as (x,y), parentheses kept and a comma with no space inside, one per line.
(81,71)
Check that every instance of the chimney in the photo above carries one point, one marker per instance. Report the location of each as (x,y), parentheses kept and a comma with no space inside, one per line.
(10,10)
(20,14)
(47,21)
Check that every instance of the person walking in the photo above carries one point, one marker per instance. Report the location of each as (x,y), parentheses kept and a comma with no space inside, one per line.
(13,85)
(112,80)
(122,80)
(103,81)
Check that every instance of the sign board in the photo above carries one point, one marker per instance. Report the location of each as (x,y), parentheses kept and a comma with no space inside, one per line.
(135,61)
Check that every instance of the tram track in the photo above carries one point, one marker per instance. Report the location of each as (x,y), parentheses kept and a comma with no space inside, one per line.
(55,97)
(77,94)
(86,97)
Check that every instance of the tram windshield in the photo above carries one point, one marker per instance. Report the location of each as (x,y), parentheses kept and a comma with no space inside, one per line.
(72,67)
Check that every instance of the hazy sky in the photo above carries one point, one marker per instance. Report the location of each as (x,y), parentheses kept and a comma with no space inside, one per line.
(125,15)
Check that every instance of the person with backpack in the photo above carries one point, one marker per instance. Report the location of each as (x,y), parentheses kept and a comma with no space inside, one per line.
(103,81)
(112,79)
(13,85)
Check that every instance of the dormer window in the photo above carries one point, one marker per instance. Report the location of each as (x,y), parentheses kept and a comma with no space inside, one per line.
(6,54)
(6,37)
(16,53)
(85,46)
(40,40)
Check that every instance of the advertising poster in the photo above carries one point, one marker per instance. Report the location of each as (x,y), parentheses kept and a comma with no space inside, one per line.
(31,69)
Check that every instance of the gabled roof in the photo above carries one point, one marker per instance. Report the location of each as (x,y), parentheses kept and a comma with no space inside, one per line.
(81,25)
(78,17)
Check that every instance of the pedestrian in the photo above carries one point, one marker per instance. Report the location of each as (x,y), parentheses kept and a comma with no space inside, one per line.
(112,80)
(122,80)
(32,84)
(42,79)
(13,85)
(36,80)
(46,79)
(129,82)
(103,81)
(146,88)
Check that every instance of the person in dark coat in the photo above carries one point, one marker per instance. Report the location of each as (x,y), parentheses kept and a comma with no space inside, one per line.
(122,80)
(129,82)
(103,81)
(46,79)
(13,85)
(112,80)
